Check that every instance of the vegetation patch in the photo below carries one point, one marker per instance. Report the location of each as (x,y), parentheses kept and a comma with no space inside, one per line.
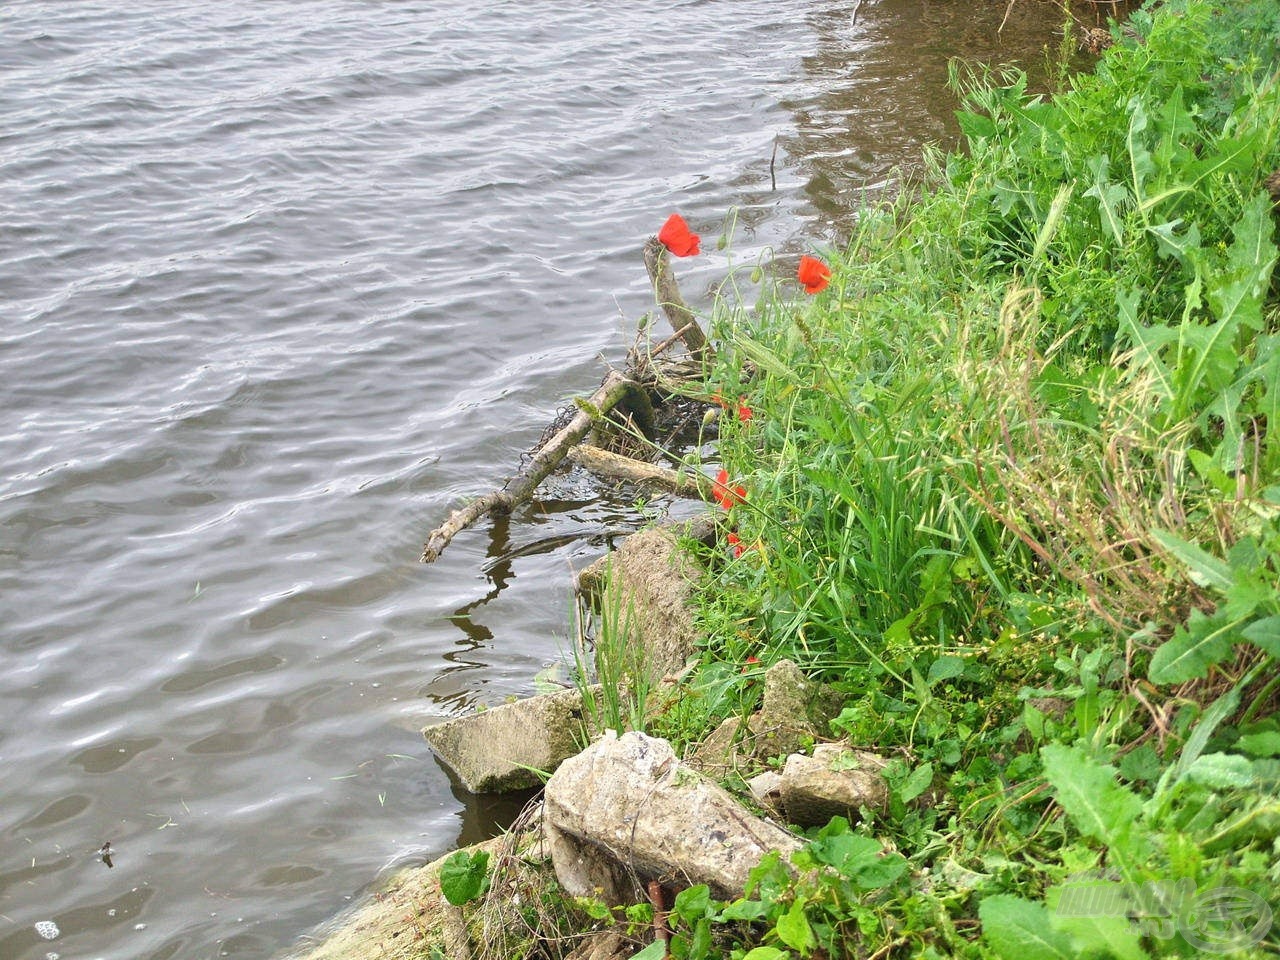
(1007,480)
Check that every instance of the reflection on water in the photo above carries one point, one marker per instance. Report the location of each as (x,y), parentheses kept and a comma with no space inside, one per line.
(875,85)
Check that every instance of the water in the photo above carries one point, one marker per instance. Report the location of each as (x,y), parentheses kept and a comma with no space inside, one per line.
(280,284)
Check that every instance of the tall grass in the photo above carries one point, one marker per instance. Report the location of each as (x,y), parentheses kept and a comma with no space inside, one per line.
(1013,484)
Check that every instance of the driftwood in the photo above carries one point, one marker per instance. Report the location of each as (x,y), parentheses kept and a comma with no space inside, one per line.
(606,464)
(627,395)
(521,487)
(658,262)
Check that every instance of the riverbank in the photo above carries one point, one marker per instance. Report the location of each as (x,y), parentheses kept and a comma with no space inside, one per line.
(1002,476)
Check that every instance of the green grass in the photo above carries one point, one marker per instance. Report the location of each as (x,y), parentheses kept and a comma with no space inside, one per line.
(1013,486)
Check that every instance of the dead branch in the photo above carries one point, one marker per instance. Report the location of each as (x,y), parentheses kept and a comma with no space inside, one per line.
(521,487)
(658,262)
(603,463)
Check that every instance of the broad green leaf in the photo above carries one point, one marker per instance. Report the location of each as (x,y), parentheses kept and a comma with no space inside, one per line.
(1205,641)
(1253,592)
(1169,244)
(1264,743)
(975,126)
(916,783)
(700,942)
(837,847)
(1018,929)
(1221,771)
(464,876)
(1231,155)
(1213,715)
(881,872)
(1147,342)
(944,668)
(1116,937)
(654,951)
(1110,197)
(765,358)
(1205,569)
(1140,163)
(744,910)
(793,929)
(692,903)
(1175,128)
(760,953)
(1092,797)
(1265,633)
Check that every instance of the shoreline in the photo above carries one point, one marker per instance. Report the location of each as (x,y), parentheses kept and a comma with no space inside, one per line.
(1028,675)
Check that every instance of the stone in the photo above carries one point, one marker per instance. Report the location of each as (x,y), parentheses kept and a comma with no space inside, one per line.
(721,752)
(605,945)
(766,790)
(836,781)
(499,749)
(794,712)
(583,872)
(407,917)
(626,804)
(654,578)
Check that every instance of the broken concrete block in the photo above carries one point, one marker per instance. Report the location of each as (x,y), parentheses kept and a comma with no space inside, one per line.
(766,790)
(628,803)
(654,579)
(722,751)
(794,712)
(493,750)
(836,781)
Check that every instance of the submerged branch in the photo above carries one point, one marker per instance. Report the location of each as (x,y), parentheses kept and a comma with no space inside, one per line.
(521,487)
(606,464)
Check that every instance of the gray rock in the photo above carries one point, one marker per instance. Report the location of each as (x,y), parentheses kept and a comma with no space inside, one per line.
(766,789)
(605,945)
(794,712)
(654,579)
(498,749)
(723,751)
(836,781)
(627,805)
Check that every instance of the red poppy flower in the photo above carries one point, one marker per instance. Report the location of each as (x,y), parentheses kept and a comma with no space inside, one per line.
(735,545)
(813,274)
(744,412)
(676,236)
(725,495)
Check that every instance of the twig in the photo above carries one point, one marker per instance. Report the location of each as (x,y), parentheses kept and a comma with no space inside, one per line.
(666,344)
(660,929)
(658,263)
(521,487)
(606,464)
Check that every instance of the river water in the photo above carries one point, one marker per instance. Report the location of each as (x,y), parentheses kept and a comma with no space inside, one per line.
(282,283)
